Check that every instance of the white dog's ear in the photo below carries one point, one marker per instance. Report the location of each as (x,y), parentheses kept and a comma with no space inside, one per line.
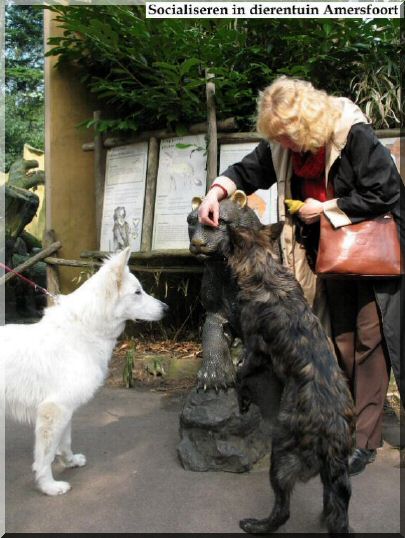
(126,254)
(118,264)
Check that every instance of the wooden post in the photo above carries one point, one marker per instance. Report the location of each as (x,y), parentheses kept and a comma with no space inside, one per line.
(52,272)
(99,175)
(150,194)
(212,131)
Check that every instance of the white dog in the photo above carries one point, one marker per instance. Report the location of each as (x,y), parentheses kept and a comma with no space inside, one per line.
(54,366)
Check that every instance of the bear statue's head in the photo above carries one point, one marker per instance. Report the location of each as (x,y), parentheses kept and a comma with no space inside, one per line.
(208,241)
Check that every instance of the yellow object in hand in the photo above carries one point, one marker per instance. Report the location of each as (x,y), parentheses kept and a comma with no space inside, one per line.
(293,205)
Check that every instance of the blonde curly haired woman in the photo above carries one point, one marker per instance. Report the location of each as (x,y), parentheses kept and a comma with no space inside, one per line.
(325,158)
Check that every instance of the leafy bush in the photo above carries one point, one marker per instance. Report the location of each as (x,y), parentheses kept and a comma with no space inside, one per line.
(150,73)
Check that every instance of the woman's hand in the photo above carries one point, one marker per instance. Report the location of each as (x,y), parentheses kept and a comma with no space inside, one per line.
(311,211)
(208,212)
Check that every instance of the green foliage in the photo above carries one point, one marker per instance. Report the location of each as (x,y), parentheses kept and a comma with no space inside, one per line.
(150,73)
(127,376)
(377,87)
(379,97)
(24,124)
(24,99)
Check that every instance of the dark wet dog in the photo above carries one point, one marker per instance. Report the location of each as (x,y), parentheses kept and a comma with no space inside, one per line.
(314,427)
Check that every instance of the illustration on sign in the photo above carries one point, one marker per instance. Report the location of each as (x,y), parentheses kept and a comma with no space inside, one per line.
(181,176)
(124,196)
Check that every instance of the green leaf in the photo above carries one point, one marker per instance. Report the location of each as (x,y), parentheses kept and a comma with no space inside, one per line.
(166,66)
(183,146)
(188,64)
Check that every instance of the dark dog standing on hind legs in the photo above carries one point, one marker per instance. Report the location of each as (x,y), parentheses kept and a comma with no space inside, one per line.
(314,428)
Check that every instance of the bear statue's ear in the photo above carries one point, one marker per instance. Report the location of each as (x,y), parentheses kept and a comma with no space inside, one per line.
(196,202)
(239,198)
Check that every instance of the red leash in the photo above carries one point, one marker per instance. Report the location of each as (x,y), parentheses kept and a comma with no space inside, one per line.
(28,281)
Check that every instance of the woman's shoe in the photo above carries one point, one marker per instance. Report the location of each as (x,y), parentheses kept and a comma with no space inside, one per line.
(360,458)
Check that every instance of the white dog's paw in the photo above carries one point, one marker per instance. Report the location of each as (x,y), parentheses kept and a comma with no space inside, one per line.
(77,460)
(54,487)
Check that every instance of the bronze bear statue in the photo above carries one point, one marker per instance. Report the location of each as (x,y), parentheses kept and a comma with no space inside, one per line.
(219,289)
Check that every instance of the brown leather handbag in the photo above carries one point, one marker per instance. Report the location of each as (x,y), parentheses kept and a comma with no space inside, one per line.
(367,249)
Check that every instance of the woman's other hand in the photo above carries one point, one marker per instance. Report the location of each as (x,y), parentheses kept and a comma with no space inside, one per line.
(311,211)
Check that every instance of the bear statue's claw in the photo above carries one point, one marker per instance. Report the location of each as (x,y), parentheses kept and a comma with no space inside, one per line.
(210,380)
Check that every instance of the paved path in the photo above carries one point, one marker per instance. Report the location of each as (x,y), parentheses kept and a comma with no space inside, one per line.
(133,482)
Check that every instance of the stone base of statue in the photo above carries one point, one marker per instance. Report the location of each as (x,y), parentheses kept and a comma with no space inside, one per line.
(216,437)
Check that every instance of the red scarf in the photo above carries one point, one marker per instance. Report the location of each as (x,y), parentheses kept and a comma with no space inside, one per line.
(309,168)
